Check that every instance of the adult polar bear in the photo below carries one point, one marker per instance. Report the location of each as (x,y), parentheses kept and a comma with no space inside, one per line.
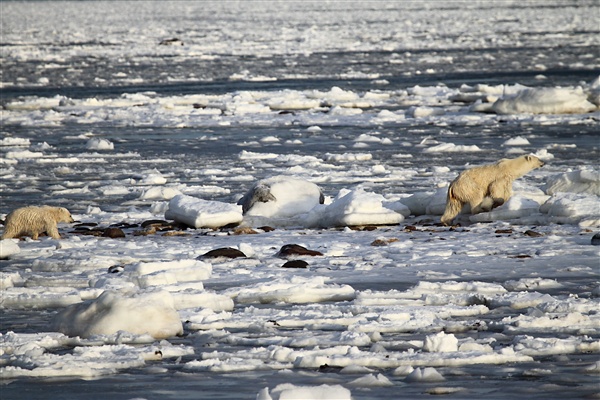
(32,220)
(487,186)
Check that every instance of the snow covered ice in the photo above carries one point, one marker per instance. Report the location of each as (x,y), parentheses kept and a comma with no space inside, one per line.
(173,129)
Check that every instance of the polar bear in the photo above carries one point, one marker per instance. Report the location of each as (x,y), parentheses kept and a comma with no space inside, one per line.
(32,220)
(487,186)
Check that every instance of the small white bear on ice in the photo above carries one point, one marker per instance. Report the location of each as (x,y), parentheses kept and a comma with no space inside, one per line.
(33,220)
(486,187)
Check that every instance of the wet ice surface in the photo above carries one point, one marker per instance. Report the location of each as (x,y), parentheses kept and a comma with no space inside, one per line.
(372,97)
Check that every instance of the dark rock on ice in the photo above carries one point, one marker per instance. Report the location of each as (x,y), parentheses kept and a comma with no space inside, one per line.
(596,239)
(113,233)
(295,264)
(227,252)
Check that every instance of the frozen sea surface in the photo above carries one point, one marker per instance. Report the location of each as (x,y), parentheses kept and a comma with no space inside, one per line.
(384,100)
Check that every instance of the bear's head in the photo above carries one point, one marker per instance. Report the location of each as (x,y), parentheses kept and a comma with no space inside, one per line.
(533,161)
(64,215)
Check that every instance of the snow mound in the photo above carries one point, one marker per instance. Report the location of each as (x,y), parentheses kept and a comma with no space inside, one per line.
(202,213)
(580,181)
(428,374)
(545,101)
(284,201)
(422,203)
(354,208)
(151,313)
(516,207)
(99,144)
(281,197)
(517,141)
(288,391)
(573,208)
(372,380)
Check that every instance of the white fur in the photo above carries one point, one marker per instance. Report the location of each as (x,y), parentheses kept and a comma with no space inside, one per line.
(33,220)
(487,186)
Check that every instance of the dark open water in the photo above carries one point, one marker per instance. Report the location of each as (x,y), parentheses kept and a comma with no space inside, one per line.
(507,66)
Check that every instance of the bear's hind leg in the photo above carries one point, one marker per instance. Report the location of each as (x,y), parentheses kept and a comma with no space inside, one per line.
(500,191)
(477,204)
(487,204)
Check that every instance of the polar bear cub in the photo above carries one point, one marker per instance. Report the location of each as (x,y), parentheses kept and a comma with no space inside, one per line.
(487,186)
(33,220)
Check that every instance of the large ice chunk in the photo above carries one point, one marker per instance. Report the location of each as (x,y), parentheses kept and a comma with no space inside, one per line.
(202,213)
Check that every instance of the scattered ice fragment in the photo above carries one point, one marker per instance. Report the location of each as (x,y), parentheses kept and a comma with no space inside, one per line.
(517,141)
(99,144)
(440,343)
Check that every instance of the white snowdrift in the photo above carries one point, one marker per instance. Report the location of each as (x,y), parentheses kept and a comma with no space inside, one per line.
(151,313)
(202,213)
